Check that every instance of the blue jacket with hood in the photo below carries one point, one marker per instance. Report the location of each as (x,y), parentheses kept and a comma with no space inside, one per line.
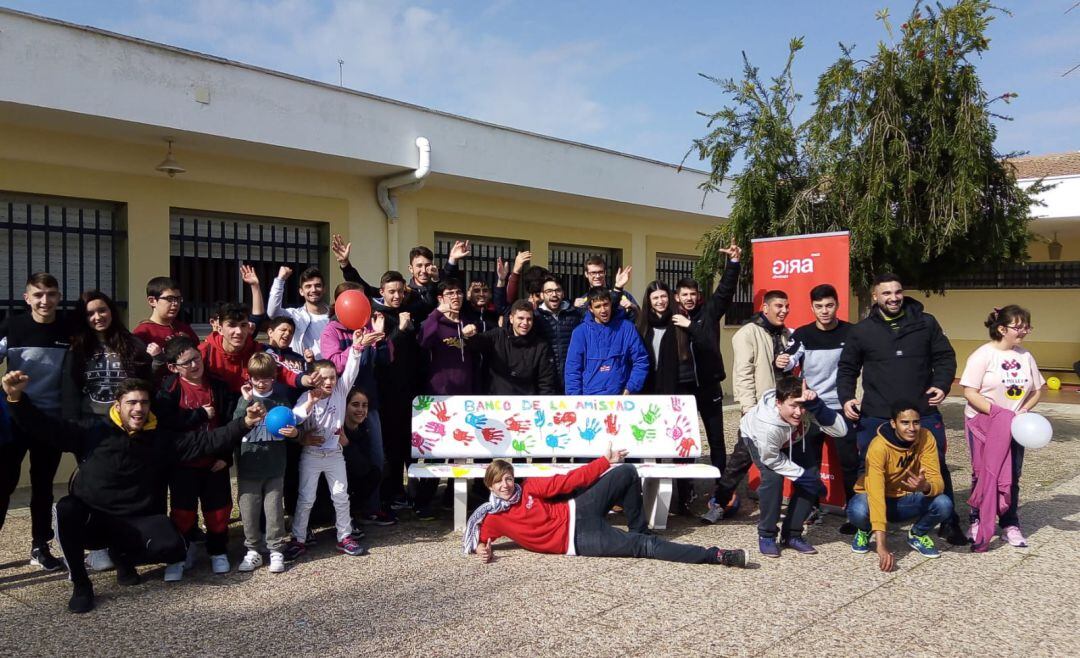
(606,359)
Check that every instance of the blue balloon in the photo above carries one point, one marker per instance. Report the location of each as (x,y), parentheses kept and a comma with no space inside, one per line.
(278,418)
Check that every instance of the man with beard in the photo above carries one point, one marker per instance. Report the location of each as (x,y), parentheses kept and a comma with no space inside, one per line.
(519,362)
(902,354)
(310,319)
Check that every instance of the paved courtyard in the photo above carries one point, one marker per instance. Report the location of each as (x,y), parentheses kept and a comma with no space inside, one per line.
(417,595)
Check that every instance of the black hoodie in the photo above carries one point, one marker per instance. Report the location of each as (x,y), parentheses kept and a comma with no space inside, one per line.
(705,327)
(896,365)
(518,365)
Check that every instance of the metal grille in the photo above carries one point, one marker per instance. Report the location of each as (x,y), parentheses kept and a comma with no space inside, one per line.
(742,307)
(78,241)
(670,268)
(206,252)
(567,262)
(480,265)
(1055,274)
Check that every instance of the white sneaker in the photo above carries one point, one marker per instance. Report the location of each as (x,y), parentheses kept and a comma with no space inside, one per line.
(99,560)
(192,553)
(220,563)
(277,562)
(251,561)
(174,572)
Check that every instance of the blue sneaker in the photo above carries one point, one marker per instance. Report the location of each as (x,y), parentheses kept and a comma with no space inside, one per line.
(768,547)
(860,543)
(801,546)
(923,544)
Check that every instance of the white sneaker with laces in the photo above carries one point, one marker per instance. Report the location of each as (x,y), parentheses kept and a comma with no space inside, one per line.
(99,560)
(220,563)
(251,562)
(277,562)
(174,572)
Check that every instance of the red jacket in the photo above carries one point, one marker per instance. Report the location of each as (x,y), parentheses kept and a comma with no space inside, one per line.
(232,368)
(537,523)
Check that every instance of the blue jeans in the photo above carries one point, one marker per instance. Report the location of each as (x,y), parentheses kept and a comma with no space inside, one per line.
(867,430)
(929,511)
(1010,516)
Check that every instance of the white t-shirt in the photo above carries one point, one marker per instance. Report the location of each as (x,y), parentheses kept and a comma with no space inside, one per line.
(1005,377)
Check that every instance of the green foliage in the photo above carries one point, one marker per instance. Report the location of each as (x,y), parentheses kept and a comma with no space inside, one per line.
(899,150)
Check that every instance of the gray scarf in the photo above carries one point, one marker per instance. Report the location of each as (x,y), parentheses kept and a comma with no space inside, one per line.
(493,506)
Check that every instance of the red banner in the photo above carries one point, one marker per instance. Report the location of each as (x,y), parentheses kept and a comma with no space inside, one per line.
(797,263)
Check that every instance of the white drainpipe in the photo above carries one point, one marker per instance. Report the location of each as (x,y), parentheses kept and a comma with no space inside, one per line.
(410,180)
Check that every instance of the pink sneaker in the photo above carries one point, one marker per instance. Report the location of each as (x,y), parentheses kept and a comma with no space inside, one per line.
(1013,535)
(973,531)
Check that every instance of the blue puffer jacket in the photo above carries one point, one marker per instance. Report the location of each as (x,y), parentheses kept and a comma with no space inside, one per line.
(555,329)
(606,359)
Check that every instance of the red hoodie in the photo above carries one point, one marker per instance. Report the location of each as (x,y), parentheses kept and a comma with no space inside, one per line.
(537,523)
(232,368)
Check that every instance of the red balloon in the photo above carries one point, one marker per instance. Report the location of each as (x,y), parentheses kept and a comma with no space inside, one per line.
(353,309)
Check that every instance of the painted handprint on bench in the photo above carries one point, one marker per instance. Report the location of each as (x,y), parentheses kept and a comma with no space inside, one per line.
(463,436)
(642,433)
(650,415)
(476,420)
(517,426)
(555,441)
(423,403)
(423,444)
(680,434)
(522,446)
(568,418)
(440,412)
(436,428)
(611,424)
(676,403)
(592,428)
(539,418)
(491,435)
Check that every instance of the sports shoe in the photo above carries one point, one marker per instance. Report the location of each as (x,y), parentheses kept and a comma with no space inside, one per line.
(126,574)
(40,556)
(349,546)
(82,599)
(847,528)
(731,557)
(379,518)
(310,539)
(860,543)
(99,560)
(220,563)
(192,554)
(923,544)
(277,562)
(801,546)
(357,531)
(816,516)
(1012,534)
(973,531)
(768,547)
(425,514)
(174,572)
(293,550)
(950,531)
(252,561)
(400,503)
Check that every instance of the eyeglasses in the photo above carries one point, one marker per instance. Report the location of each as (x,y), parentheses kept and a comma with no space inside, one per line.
(453,293)
(594,273)
(1020,328)
(172,299)
(193,361)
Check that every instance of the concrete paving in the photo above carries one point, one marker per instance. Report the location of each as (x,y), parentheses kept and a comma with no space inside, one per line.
(417,595)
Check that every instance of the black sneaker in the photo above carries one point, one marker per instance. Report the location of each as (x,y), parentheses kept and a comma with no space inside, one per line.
(310,539)
(293,550)
(950,531)
(357,532)
(731,558)
(126,574)
(82,599)
(400,503)
(425,514)
(40,556)
(847,528)
(380,518)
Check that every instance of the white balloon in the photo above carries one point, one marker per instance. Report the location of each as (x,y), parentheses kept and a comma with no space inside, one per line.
(1032,430)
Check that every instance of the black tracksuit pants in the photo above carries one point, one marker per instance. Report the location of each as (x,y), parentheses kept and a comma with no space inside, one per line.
(132,540)
(44,460)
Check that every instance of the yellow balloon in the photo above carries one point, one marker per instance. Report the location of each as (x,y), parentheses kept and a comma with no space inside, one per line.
(1053,383)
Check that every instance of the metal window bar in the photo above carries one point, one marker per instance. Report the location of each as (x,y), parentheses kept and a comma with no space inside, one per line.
(480,264)
(1054,274)
(206,253)
(567,262)
(742,307)
(34,232)
(670,268)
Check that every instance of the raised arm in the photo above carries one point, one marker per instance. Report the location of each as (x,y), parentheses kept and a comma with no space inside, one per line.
(251,278)
(61,434)
(722,298)
(277,292)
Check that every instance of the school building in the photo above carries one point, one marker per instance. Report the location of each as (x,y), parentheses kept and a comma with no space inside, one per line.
(122,159)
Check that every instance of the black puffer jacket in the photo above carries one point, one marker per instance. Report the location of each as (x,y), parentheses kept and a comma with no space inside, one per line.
(123,474)
(518,365)
(555,329)
(704,328)
(896,365)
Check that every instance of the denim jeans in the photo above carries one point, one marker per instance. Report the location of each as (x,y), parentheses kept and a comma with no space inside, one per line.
(594,536)
(1010,516)
(867,430)
(929,511)
(771,490)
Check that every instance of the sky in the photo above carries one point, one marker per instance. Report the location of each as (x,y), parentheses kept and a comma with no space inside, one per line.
(620,75)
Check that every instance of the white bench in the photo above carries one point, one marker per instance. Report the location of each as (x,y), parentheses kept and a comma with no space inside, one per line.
(459,429)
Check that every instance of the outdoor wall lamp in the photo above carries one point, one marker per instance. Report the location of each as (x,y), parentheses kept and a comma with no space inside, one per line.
(1054,248)
(169,165)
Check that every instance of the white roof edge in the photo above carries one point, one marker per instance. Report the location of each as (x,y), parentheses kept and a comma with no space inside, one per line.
(339,89)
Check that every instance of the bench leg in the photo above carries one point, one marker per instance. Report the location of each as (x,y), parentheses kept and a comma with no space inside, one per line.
(657,500)
(461,499)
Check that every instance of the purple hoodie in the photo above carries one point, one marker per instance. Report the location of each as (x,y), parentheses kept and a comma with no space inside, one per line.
(452,366)
(334,345)
(991,469)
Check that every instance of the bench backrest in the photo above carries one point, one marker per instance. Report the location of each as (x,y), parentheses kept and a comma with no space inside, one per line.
(485,426)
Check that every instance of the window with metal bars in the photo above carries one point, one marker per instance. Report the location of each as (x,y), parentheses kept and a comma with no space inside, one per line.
(567,262)
(1054,274)
(670,268)
(480,264)
(206,250)
(81,242)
